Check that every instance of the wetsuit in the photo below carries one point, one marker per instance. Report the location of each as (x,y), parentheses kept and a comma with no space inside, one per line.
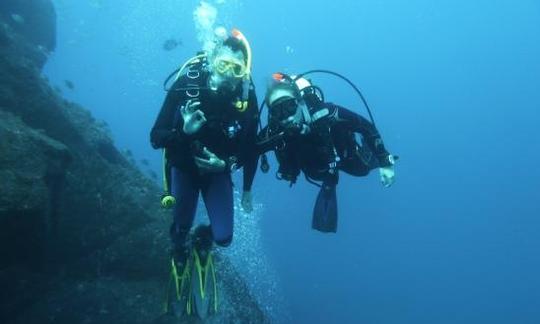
(328,146)
(228,133)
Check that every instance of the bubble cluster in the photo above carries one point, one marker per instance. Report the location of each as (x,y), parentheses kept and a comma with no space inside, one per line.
(248,256)
(205,16)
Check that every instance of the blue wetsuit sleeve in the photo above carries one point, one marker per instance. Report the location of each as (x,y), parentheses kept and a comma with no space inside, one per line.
(167,129)
(369,132)
(249,149)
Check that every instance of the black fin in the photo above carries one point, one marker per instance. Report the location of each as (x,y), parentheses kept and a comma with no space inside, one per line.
(325,212)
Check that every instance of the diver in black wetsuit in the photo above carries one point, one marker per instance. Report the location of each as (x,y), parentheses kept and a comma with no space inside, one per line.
(208,126)
(318,138)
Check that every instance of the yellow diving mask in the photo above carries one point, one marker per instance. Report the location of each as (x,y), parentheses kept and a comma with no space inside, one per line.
(223,65)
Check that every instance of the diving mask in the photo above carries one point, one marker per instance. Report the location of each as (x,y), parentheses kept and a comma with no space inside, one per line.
(237,68)
(284,108)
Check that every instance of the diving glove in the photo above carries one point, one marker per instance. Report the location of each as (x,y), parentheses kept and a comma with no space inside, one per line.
(388,173)
(293,128)
(208,162)
(193,118)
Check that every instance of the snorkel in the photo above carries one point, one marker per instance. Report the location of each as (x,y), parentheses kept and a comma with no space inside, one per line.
(243,104)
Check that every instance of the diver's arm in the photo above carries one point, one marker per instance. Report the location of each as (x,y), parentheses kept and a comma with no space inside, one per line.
(250,153)
(267,142)
(369,132)
(250,168)
(167,131)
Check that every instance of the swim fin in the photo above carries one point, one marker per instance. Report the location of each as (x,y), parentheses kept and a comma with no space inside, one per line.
(204,285)
(325,211)
(177,302)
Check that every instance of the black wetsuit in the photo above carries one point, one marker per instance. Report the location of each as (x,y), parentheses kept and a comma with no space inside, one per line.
(228,133)
(330,145)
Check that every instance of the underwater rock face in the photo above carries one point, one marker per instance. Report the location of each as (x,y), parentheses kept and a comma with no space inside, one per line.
(82,236)
(34,19)
(32,172)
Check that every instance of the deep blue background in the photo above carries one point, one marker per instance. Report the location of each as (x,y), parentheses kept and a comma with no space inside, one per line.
(455,88)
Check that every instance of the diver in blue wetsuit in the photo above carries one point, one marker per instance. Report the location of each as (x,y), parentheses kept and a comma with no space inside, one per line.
(318,138)
(207,126)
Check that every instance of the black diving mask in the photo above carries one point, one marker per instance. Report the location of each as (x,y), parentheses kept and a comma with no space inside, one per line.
(283,109)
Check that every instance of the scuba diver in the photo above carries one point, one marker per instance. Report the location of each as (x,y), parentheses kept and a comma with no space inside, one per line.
(207,127)
(318,138)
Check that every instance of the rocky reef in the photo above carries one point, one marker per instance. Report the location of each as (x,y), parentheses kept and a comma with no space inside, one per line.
(82,236)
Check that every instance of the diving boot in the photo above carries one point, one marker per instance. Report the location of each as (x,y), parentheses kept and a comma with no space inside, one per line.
(180,256)
(202,241)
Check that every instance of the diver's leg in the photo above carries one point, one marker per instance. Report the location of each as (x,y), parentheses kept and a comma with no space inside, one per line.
(218,198)
(217,194)
(356,160)
(186,191)
(357,165)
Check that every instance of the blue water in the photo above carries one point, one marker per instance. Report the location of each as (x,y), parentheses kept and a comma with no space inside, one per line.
(455,89)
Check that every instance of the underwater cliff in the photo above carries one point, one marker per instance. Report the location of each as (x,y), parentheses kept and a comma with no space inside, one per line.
(82,236)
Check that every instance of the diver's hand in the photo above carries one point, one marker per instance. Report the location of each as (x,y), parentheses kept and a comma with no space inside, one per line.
(388,175)
(209,162)
(193,118)
(295,129)
(247,204)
